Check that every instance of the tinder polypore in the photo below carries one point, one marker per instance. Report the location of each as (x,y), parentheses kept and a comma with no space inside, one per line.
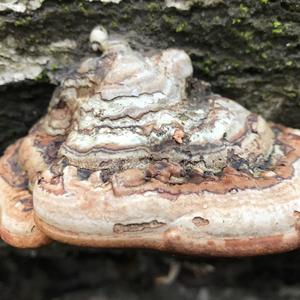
(134,152)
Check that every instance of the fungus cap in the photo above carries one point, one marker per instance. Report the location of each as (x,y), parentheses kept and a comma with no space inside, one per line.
(133,152)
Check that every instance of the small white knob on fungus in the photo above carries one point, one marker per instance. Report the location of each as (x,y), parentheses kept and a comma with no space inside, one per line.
(98,38)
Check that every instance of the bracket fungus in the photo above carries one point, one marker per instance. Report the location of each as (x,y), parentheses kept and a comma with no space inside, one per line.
(134,152)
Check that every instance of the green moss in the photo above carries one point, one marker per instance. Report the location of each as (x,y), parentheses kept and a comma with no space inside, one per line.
(114,24)
(181,26)
(84,9)
(65,8)
(243,8)
(236,21)
(153,6)
(264,1)
(289,90)
(174,24)
(53,67)
(23,22)
(264,55)
(32,39)
(277,31)
(230,82)
(277,24)
(277,27)
(206,66)
(246,35)
(169,20)
(42,77)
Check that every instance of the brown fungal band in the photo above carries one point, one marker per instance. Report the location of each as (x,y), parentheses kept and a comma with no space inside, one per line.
(133,152)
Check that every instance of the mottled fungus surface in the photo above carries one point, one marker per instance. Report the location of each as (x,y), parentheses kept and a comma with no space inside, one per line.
(133,152)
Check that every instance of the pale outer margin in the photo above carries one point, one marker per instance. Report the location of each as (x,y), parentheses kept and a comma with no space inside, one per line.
(240,215)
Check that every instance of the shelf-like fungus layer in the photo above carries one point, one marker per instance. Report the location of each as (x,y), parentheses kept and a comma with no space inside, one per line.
(133,152)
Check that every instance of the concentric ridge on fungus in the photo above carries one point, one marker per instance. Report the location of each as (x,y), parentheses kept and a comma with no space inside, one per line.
(133,152)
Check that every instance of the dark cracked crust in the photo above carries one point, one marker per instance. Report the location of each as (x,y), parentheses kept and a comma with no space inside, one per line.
(167,178)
